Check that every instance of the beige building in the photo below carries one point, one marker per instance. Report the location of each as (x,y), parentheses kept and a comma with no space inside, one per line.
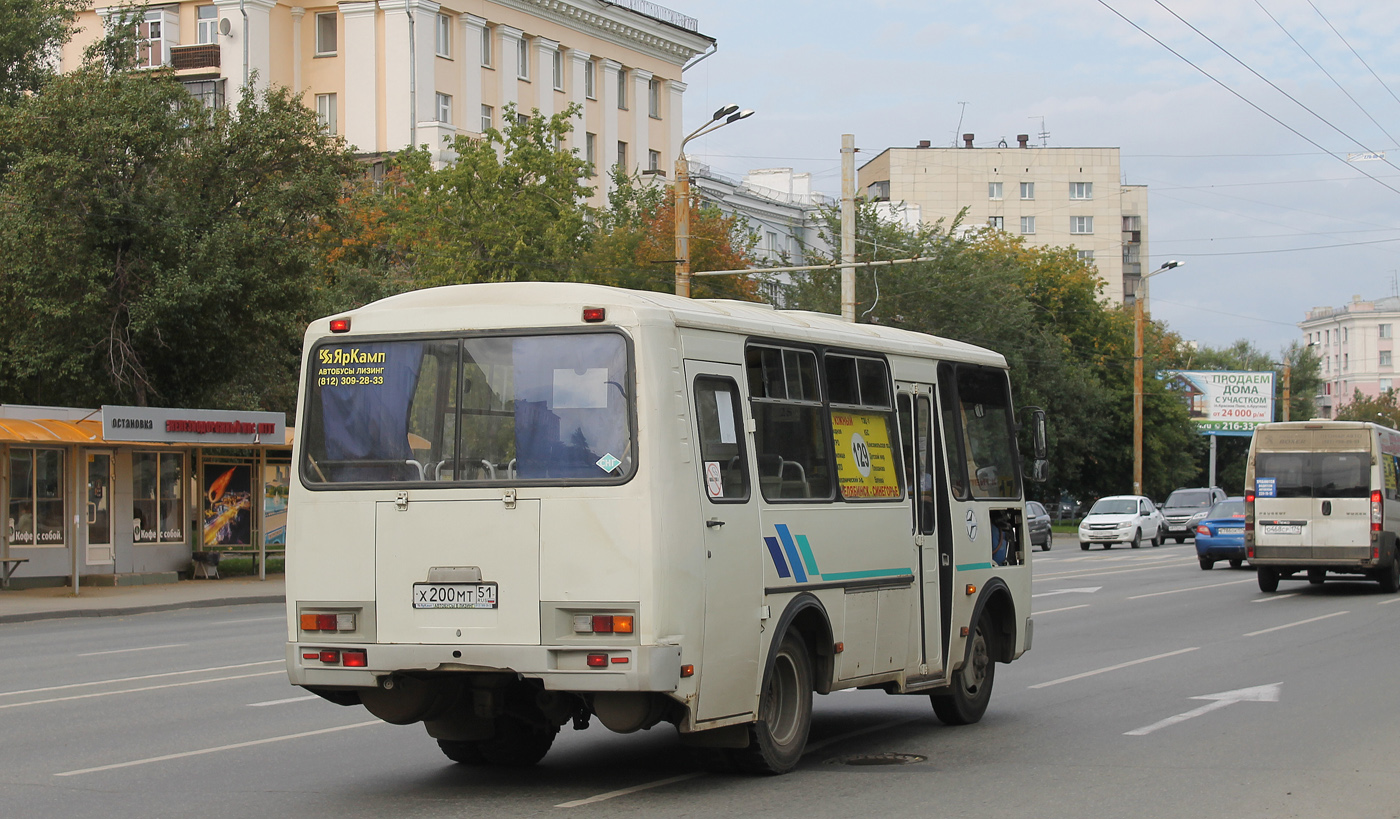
(1058,197)
(1355,346)
(394,73)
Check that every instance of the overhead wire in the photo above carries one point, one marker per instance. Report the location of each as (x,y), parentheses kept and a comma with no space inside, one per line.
(1353,51)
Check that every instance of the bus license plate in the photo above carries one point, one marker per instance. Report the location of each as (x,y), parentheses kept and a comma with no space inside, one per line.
(454,595)
(1279,529)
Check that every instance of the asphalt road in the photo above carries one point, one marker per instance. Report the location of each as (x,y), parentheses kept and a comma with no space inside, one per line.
(188,714)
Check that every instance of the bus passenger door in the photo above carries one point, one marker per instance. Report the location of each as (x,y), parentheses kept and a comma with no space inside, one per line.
(916,429)
(729,664)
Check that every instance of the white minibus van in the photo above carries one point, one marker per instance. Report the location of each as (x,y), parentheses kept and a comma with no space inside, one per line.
(520,506)
(1320,498)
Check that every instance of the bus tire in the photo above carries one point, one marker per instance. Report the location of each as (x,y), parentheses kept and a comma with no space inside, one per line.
(1268,579)
(517,743)
(1317,576)
(966,700)
(778,737)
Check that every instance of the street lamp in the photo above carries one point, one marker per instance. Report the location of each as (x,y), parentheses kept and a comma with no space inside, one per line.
(1137,373)
(721,118)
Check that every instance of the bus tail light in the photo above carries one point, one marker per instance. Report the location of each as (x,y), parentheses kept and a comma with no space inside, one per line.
(356,658)
(323,621)
(330,655)
(597,661)
(594,314)
(340,325)
(1249,515)
(1377,510)
(604,623)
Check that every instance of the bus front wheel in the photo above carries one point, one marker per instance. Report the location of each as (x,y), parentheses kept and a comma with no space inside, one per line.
(777,739)
(966,700)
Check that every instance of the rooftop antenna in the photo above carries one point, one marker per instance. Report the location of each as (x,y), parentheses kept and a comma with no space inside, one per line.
(962,109)
(1044,134)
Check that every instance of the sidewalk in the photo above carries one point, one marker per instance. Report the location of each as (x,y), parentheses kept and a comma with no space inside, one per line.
(105,601)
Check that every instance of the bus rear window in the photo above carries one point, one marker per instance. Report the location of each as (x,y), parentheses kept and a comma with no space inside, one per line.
(1316,474)
(484,409)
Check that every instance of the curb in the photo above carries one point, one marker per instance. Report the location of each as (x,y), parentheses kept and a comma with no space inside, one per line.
(120,610)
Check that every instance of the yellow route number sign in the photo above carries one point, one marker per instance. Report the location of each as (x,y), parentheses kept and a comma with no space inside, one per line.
(865,463)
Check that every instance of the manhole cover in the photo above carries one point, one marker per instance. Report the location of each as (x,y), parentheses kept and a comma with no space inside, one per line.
(879,759)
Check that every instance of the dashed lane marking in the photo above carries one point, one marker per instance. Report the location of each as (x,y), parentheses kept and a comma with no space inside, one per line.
(1107,669)
(1299,623)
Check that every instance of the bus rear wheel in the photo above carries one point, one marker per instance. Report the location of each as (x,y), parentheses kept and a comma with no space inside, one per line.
(777,739)
(1268,579)
(966,701)
(1390,578)
(517,743)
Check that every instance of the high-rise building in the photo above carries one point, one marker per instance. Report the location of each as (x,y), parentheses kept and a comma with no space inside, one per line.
(1059,197)
(394,73)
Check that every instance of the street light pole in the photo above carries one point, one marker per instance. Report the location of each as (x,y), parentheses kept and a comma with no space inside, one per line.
(721,118)
(1137,373)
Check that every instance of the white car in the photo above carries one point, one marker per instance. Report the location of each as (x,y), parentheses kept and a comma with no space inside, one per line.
(1122,519)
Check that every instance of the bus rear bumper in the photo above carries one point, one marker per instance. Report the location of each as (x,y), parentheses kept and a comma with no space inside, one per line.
(559,668)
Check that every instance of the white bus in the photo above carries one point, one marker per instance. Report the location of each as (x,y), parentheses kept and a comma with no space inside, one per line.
(523,505)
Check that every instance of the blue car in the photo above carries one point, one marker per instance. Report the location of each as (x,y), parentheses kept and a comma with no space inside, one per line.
(1221,535)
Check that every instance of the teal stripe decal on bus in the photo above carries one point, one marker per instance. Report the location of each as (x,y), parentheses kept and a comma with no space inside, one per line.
(871,573)
(807,555)
(967,567)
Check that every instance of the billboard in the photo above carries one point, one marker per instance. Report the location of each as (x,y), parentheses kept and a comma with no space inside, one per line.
(1225,403)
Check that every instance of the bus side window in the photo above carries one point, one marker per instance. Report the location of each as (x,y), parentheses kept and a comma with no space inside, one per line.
(791,433)
(719,417)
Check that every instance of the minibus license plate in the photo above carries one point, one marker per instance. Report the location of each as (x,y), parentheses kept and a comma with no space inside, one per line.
(454,595)
(1282,529)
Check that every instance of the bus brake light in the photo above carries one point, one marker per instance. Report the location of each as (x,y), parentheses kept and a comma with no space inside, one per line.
(356,658)
(1377,510)
(340,325)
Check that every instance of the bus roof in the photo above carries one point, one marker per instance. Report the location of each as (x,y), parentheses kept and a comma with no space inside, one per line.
(535,300)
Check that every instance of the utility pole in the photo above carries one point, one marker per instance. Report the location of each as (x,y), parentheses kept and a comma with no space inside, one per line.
(848,226)
(1287,388)
(1138,299)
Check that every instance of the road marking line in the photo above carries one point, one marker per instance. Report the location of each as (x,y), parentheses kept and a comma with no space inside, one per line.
(1066,608)
(1113,667)
(138,690)
(282,617)
(134,679)
(216,749)
(126,650)
(283,702)
(1193,588)
(1078,575)
(1299,623)
(811,748)
(1275,597)
(1384,602)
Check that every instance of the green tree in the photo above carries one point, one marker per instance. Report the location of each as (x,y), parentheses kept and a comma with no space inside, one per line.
(158,252)
(1383,409)
(31,34)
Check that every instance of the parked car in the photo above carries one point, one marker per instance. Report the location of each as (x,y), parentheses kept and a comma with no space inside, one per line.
(1038,522)
(1122,519)
(1187,507)
(1068,507)
(1220,535)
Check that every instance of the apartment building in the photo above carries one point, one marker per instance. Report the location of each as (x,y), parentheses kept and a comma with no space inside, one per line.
(1355,346)
(394,73)
(1054,197)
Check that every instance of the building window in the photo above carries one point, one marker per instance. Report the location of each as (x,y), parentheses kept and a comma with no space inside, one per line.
(1081,224)
(1132,223)
(995,222)
(208,23)
(1384,330)
(558,58)
(1027,190)
(653,160)
(326,112)
(654,98)
(993,190)
(622,156)
(36,497)
(522,59)
(444,36)
(1385,358)
(157,506)
(1346,362)
(1086,256)
(772,238)
(486,46)
(325,34)
(208,92)
(487,118)
(588,90)
(1385,385)
(150,40)
(1346,334)
(1081,190)
(1132,254)
(1028,224)
(444,107)
(622,89)
(590,153)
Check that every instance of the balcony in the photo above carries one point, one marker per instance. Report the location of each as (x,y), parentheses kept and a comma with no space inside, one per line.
(204,55)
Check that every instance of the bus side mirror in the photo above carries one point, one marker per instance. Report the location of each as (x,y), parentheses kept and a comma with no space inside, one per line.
(1040,465)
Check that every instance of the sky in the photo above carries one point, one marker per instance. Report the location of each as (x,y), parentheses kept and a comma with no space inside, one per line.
(1267,224)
